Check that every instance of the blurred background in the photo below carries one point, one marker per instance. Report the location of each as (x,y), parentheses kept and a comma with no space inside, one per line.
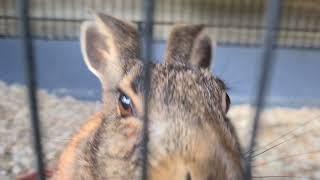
(237,25)
(69,93)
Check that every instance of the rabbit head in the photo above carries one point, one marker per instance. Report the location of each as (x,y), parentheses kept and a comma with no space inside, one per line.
(190,136)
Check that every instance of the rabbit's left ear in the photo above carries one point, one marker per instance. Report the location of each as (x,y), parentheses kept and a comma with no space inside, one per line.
(189,44)
(109,46)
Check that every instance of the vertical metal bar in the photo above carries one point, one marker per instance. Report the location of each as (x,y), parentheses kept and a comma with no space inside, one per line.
(6,20)
(74,26)
(45,23)
(48,9)
(64,24)
(32,84)
(273,21)
(146,55)
(56,27)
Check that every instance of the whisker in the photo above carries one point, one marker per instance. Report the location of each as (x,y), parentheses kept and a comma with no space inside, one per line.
(293,137)
(62,140)
(286,157)
(285,134)
(268,149)
(261,177)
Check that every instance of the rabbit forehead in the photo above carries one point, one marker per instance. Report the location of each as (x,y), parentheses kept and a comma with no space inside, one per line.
(176,79)
(179,85)
(191,87)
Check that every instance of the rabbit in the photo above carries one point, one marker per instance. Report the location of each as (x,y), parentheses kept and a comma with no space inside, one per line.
(190,136)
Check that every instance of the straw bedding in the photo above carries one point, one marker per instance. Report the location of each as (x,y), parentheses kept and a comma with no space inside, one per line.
(297,154)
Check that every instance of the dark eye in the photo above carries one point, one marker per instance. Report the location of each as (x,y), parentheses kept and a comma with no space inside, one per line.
(226,102)
(125,105)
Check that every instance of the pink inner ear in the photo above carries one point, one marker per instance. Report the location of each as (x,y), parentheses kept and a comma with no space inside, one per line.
(202,51)
(96,47)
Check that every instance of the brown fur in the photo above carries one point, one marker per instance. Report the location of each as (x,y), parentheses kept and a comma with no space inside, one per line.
(190,136)
(68,157)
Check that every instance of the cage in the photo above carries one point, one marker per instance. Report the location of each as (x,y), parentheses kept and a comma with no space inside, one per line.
(267,54)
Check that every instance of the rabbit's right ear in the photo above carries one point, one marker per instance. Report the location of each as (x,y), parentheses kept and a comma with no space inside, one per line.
(109,47)
(189,44)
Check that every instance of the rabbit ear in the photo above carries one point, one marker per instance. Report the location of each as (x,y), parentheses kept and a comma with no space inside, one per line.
(189,44)
(109,46)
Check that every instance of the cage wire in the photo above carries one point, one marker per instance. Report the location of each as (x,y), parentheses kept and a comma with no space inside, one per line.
(30,69)
(147,31)
(231,22)
(274,10)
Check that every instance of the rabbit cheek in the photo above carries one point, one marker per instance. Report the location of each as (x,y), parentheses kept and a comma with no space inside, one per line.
(131,128)
(127,138)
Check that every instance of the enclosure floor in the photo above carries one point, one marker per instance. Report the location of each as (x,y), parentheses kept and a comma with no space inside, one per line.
(298,157)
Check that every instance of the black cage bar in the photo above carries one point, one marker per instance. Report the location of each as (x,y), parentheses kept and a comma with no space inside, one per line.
(272,15)
(147,31)
(31,79)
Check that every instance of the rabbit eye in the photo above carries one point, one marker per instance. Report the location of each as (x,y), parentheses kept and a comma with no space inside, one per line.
(125,105)
(226,102)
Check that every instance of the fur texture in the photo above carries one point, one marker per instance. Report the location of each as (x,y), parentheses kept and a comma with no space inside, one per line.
(190,136)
